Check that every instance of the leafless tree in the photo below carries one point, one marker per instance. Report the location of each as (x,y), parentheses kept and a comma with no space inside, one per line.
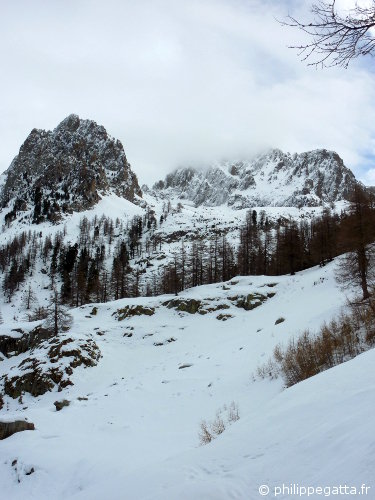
(29,298)
(58,318)
(357,232)
(336,38)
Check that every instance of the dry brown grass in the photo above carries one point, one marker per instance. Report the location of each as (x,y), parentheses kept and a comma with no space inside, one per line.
(336,342)
(224,417)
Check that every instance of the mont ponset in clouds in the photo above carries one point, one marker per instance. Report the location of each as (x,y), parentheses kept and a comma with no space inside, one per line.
(72,167)
(270,179)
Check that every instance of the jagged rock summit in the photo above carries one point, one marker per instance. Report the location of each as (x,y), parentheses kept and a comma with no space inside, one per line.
(67,169)
(270,179)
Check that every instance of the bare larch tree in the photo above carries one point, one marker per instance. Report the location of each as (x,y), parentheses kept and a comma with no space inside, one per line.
(357,232)
(58,318)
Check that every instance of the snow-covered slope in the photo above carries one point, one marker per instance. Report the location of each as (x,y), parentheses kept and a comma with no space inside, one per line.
(134,431)
(271,179)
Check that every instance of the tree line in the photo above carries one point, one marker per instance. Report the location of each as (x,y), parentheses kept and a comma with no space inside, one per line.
(112,260)
(286,247)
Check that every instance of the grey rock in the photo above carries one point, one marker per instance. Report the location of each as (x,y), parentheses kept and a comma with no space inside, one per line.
(67,169)
(61,404)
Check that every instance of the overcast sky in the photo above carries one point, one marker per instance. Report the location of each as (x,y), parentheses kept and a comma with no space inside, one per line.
(179,81)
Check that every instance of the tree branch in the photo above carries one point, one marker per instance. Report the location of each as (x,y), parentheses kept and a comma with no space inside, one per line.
(336,39)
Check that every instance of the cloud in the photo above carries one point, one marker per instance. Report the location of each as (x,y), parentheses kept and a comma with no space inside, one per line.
(177,82)
(369,177)
(343,6)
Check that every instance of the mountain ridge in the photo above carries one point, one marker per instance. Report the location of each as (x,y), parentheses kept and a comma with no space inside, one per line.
(71,167)
(274,178)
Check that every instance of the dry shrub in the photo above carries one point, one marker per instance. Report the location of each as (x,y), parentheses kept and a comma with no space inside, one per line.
(270,369)
(218,425)
(224,416)
(336,342)
(233,412)
(205,435)
(38,314)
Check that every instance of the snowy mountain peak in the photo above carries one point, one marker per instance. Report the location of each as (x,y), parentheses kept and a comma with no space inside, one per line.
(273,178)
(67,169)
(70,123)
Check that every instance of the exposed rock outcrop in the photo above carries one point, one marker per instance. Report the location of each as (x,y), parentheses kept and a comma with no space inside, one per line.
(7,429)
(67,169)
(49,363)
(13,345)
(135,310)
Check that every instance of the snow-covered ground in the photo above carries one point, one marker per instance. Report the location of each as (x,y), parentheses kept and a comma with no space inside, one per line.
(135,437)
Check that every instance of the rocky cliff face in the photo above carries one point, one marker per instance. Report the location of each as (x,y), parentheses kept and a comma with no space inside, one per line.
(271,179)
(67,169)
